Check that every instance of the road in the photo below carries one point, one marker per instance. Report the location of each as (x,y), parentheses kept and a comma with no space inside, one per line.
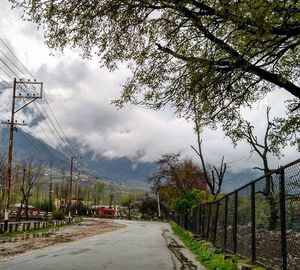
(139,245)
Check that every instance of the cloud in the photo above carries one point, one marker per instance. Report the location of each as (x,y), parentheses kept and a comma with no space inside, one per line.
(80,95)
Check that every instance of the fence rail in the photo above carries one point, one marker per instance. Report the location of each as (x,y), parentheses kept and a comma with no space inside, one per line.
(260,220)
(30,225)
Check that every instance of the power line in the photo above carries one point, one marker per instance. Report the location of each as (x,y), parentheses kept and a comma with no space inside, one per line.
(11,61)
(55,131)
(16,58)
(8,67)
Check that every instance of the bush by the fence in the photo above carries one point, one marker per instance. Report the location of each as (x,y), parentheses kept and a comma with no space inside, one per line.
(58,215)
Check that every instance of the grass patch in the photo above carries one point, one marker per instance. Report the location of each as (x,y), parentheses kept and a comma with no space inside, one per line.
(205,252)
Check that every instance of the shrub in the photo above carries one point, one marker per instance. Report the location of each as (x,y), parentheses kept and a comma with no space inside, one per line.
(58,215)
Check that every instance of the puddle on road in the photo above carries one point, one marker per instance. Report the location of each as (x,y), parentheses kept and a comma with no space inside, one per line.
(186,264)
(80,251)
(176,249)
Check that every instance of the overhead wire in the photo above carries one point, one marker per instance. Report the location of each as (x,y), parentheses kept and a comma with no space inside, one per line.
(69,145)
(45,96)
(56,132)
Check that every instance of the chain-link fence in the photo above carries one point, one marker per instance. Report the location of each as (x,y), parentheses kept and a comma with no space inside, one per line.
(260,220)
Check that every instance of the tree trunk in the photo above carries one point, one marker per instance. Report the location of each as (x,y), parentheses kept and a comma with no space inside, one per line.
(26,208)
(129,212)
(270,196)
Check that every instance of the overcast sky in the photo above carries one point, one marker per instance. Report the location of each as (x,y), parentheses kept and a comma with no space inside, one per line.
(80,93)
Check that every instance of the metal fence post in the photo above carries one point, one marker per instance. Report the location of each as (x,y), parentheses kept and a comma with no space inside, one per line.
(200,219)
(203,221)
(208,221)
(253,223)
(283,220)
(225,222)
(235,221)
(216,223)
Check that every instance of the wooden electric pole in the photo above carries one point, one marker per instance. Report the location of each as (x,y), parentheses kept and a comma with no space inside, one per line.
(12,123)
(77,193)
(70,186)
(50,188)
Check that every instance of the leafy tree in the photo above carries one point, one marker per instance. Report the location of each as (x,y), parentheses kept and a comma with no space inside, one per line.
(42,205)
(111,193)
(99,189)
(220,55)
(178,173)
(188,199)
(175,179)
(129,201)
(147,206)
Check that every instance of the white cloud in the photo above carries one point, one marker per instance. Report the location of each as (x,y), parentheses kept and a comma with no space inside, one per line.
(80,94)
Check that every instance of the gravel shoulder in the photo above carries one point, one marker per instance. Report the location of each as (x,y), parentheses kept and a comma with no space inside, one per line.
(88,227)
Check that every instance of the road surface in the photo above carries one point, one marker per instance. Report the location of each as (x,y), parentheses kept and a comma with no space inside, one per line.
(140,245)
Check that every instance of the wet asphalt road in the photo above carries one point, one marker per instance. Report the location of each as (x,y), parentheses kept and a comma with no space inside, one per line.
(140,245)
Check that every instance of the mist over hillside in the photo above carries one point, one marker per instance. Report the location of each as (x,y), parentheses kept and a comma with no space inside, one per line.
(122,170)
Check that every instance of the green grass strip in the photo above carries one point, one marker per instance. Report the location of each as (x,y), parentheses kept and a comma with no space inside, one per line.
(205,254)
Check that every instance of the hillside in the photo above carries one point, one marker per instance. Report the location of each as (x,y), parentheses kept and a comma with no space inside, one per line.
(118,169)
(122,170)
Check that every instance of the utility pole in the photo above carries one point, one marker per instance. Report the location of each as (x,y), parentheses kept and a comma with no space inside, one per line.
(70,186)
(77,194)
(88,200)
(158,204)
(50,187)
(12,123)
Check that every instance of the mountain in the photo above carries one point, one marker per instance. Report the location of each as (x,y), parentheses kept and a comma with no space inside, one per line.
(118,169)
(27,146)
(122,170)
(234,180)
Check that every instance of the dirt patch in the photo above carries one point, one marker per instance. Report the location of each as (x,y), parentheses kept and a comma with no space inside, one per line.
(268,246)
(66,234)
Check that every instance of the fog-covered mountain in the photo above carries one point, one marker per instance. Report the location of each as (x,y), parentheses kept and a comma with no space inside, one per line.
(118,169)
(233,181)
(27,146)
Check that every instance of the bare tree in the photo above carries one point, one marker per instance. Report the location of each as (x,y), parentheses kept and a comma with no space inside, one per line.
(271,143)
(27,176)
(215,179)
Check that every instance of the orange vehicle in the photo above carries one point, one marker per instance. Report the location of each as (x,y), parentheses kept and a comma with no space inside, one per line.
(106,212)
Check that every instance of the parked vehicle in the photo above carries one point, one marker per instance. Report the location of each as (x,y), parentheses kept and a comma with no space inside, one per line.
(104,212)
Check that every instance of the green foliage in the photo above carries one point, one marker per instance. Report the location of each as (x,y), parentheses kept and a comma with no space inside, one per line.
(180,183)
(223,55)
(82,209)
(58,215)
(206,256)
(128,200)
(42,205)
(99,190)
(147,206)
(188,199)
(209,259)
